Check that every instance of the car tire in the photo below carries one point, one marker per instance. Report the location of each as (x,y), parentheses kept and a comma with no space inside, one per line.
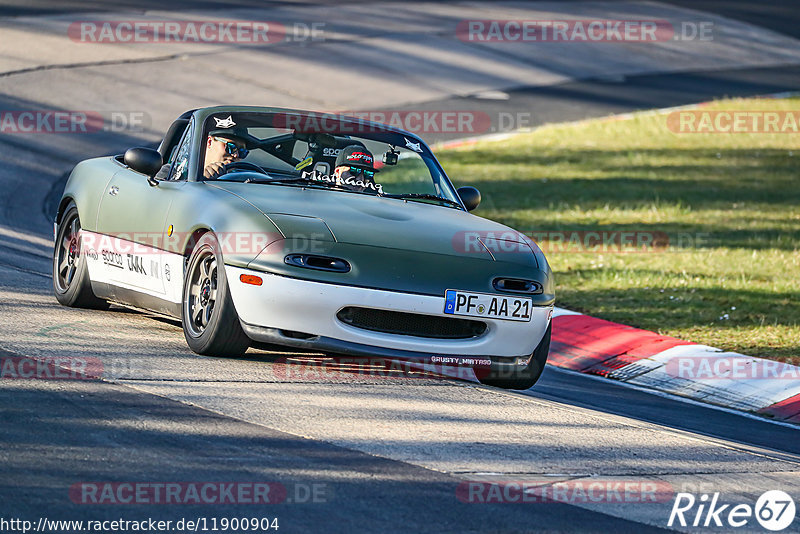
(525,377)
(210,322)
(71,284)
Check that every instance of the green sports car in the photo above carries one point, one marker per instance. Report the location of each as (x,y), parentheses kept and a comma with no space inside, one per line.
(266,226)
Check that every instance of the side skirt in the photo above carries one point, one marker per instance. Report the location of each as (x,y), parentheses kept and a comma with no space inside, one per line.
(136,299)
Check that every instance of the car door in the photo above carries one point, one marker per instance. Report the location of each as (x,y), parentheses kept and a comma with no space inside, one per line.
(131,217)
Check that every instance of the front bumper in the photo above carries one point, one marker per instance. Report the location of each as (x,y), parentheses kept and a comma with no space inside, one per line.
(283,305)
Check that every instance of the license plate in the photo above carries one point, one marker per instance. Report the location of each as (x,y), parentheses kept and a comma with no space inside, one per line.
(487,305)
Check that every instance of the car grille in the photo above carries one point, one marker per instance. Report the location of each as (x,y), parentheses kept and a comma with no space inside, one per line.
(411,324)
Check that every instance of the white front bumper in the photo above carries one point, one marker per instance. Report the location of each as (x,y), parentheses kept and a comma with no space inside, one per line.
(311,307)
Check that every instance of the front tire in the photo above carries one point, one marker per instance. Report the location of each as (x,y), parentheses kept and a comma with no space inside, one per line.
(210,322)
(71,284)
(525,377)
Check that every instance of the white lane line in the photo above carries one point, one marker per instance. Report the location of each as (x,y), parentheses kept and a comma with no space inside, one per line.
(5,231)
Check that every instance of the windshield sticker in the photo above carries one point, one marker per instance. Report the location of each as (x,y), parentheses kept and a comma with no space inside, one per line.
(359,158)
(305,163)
(413,146)
(225,123)
(338,180)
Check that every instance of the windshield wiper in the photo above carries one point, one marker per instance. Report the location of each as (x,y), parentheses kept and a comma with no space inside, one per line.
(271,180)
(422,196)
(283,181)
(300,180)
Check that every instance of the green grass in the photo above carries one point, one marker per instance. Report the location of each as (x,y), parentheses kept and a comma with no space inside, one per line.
(728,203)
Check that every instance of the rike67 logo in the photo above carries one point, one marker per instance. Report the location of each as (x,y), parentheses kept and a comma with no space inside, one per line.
(774,510)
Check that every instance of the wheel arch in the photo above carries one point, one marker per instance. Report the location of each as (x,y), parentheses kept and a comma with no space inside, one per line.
(62,207)
(192,240)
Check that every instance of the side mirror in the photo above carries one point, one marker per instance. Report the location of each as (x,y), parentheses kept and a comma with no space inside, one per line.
(144,160)
(470,196)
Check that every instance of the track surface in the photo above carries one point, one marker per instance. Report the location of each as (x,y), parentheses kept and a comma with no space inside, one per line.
(389,452)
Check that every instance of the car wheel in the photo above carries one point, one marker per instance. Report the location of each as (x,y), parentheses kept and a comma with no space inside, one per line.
(525,377)
(210,322)
(71,283)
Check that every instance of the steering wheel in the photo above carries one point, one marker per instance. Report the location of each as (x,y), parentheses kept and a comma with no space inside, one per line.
(243,166)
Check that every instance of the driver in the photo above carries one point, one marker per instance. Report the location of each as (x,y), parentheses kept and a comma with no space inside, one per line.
(222,147)
(355,169)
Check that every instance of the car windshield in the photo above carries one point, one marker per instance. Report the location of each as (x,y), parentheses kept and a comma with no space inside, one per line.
(330,152)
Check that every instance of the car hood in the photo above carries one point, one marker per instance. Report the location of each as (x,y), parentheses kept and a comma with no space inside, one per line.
(359,219)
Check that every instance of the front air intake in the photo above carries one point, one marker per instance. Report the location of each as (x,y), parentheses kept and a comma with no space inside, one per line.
(318,263)
(516,285)
(411,324)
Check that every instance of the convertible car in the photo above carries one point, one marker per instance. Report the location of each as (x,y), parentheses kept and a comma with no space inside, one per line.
(316,232)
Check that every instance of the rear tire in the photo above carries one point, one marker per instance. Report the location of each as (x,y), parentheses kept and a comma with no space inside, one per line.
(210,322)
(71,284)
(525,377)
